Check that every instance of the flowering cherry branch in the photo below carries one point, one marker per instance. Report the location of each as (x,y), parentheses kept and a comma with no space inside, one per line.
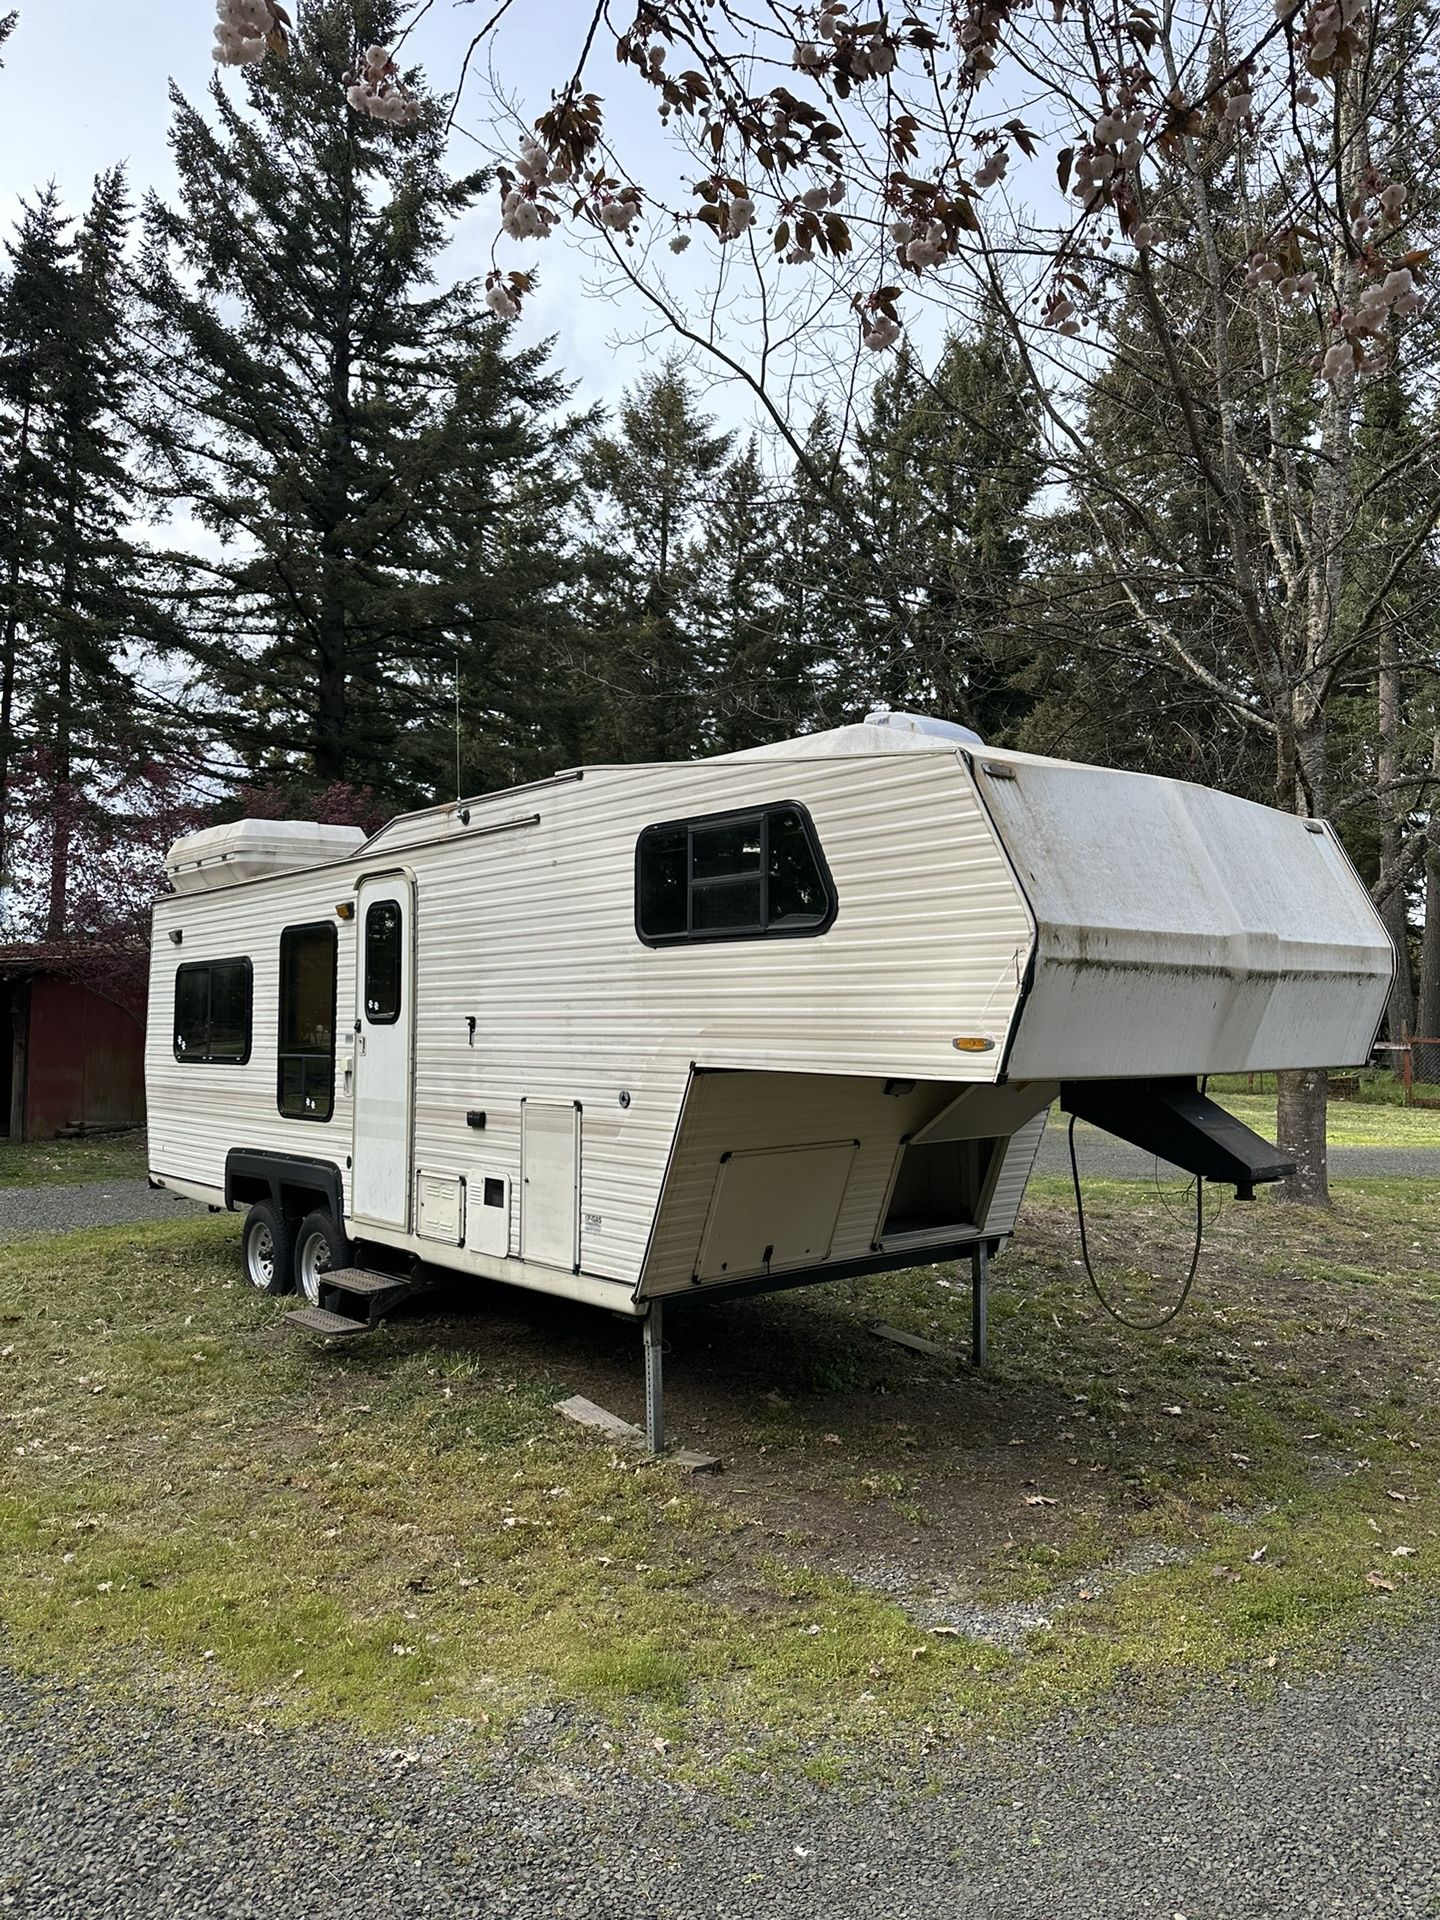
(794,120)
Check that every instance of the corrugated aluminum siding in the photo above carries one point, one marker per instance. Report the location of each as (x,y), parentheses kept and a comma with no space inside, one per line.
(530,929)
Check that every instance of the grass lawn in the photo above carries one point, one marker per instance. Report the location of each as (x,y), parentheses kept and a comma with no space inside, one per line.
(46,1163)
(1350,1123)
(404,1534)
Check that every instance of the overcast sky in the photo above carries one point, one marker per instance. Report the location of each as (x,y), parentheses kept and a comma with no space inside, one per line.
(85,84)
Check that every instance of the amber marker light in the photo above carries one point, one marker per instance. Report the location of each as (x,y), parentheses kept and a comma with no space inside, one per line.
(972,1043)
(344,909)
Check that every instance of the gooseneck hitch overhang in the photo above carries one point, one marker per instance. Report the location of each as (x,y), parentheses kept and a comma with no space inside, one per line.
(1173,1119)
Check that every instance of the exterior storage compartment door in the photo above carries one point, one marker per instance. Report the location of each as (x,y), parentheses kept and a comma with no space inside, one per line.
(550,1183)
(774,1207)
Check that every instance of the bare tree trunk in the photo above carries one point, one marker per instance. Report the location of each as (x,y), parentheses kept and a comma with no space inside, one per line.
(9,645)
(1301,1093)
(1395,912)
(1427,1013)
(1300,1130)
(62,772)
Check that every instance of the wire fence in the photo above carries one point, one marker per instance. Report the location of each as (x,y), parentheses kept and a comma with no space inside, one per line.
(1408,1075)
(1419,1068)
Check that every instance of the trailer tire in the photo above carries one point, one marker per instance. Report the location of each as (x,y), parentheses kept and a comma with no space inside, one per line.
(320,1248)
(267,1249)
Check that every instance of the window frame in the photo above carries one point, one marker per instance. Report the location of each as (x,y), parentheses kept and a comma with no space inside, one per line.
(383,1019)
(281,1053)
(209,1059)
(761,812)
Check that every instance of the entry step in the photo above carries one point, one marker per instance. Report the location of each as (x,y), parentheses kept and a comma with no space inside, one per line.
(320,1320)
(361,1280)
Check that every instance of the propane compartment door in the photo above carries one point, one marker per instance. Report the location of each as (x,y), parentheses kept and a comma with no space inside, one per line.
(774,1207)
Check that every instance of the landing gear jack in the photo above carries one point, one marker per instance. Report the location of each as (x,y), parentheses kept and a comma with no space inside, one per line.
(654,1378)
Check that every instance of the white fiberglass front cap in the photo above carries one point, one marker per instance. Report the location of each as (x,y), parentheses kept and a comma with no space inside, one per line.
(923,723)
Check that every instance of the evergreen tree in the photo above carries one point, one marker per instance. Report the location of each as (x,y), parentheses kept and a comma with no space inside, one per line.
(381,479)
(32,330)
(818,607)
(760,678)
(650,489)
(947,467)
(79,608)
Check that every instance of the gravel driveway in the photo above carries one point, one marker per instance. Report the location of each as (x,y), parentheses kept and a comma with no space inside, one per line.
(1103,1157)
(109,1203)
(1322,1804)
(92,1203)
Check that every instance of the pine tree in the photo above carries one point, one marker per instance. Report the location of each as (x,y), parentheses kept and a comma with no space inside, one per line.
(759,677)
(948,465)
(98,606)
(79,606)
(381,481)
(819,611)
(650,488)
(32,330)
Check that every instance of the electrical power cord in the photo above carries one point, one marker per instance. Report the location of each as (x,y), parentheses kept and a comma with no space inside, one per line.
(1135,1326)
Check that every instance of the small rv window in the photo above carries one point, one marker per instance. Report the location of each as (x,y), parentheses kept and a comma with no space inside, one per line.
(383,930)
(306,1084)
(212,1012)
(731,877)
(664,853)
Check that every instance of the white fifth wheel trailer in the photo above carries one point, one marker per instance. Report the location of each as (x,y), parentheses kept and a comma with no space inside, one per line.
(642,1033)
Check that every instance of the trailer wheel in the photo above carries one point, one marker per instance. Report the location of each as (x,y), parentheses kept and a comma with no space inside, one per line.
(267,1249)
(320,1248)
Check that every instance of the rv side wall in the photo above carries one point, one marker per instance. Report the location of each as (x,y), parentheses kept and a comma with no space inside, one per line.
(529,933)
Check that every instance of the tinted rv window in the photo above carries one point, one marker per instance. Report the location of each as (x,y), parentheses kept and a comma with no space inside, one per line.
(212,1012)
(383,928)
(731,877)
(306,1088)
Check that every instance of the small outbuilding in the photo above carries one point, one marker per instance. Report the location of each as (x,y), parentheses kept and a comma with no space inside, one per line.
(72,1041)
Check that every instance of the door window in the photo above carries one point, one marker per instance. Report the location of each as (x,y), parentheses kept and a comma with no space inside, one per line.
(384,933)
(306,1084)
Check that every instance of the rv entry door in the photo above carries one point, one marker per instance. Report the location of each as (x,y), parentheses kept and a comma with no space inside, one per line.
(384,1030)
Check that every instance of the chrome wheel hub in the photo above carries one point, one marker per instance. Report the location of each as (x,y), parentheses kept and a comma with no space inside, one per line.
(314,1265)
(260,1258)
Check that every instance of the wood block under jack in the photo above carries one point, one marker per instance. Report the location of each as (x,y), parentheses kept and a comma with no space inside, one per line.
(914,1341)
(578,1408)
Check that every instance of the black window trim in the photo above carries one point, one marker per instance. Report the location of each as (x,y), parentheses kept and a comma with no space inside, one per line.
(281,1056)
(758,810)
(382,1019)
(208,1059)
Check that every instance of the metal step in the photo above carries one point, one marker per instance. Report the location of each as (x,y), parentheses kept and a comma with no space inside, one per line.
(319,1320)
(361,1280)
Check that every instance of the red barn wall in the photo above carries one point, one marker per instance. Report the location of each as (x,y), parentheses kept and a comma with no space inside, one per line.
(86,1064)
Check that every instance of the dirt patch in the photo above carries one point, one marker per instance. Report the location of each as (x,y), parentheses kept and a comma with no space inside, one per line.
(406,1532)
(989,1503)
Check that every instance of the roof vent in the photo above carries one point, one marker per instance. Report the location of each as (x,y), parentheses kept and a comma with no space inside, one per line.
(923,723)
